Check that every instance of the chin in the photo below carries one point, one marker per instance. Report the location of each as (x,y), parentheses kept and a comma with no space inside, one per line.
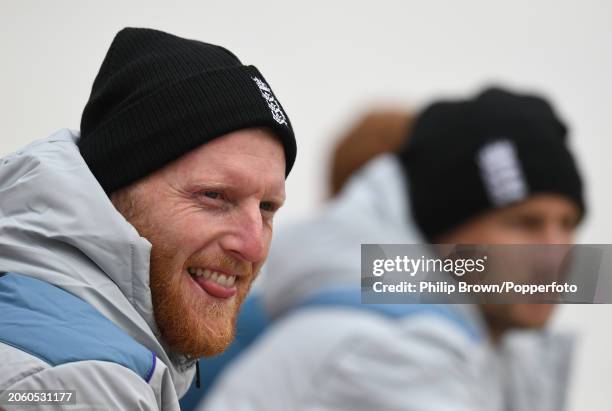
(192,323)
(532,316)
(199,337)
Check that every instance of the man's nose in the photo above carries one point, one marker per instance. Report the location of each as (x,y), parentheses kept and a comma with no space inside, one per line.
(556,233)
(247,237)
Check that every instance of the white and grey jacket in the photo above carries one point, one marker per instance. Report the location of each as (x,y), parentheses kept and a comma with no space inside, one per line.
(77,310)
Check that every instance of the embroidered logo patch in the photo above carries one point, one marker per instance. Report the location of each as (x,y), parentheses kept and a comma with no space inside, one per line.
(501,173)
(275,108)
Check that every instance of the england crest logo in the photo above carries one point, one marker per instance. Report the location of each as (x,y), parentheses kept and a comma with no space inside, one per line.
(275,108)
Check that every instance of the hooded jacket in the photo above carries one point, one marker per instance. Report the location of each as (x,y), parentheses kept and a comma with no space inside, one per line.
(58,226)
(324,358)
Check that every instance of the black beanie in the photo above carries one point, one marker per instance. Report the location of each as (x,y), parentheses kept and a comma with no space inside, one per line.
(467,157)
(158,96)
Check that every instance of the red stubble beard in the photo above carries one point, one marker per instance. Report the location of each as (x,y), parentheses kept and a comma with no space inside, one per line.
(191,321)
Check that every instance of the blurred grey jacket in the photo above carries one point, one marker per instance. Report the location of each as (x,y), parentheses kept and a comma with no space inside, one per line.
(57,225)
(340,358)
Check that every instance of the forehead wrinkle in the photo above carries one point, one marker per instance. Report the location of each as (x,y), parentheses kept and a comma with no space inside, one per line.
(234,165)
(231,178)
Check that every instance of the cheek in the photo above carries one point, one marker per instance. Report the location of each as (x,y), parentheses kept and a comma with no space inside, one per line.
(181,236)
(193,238)
(567,237)
(507,234)
(195,232)
(267,241)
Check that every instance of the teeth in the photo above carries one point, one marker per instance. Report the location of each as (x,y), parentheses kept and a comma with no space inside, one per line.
(219,278)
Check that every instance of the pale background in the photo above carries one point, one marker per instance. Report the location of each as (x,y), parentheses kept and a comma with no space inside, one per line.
(328,61)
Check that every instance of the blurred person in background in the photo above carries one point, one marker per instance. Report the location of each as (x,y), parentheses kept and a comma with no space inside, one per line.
(127,249)
(494,169)
(377,132)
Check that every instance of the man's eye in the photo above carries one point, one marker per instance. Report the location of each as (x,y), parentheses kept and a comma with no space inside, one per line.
(215,195)
(267,206)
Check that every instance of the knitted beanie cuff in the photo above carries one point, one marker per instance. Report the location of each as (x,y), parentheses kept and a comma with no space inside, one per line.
(171,121)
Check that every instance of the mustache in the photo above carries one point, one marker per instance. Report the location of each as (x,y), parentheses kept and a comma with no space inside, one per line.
(223,262)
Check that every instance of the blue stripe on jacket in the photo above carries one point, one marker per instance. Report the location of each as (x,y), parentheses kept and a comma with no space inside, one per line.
(58,327)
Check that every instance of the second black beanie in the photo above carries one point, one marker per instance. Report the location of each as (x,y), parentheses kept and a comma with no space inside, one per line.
(466,157)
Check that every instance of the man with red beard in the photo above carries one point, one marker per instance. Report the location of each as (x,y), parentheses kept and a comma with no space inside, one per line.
(127,249)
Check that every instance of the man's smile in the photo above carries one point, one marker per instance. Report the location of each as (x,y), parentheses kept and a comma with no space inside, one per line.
(215,283)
